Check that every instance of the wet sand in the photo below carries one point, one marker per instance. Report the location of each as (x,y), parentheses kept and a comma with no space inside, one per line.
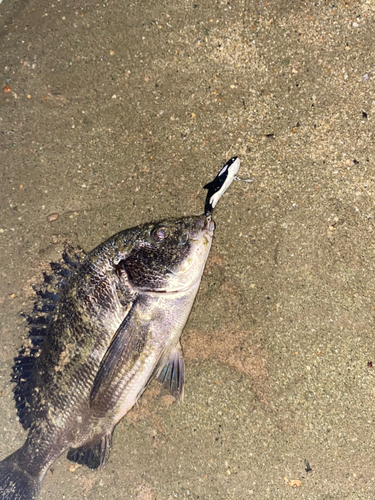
(117,113)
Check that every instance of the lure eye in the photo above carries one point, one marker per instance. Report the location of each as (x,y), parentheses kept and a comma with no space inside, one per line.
(160,233)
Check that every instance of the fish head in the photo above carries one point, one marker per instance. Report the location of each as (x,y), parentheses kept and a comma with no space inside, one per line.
(170,255)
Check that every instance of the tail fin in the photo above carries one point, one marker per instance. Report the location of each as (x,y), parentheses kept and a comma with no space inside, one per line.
(15,483)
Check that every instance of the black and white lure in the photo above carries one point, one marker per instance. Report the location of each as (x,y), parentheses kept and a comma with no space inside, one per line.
(220,184)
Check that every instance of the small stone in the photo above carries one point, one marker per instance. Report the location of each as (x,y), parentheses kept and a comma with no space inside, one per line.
(52,217)
(295,483)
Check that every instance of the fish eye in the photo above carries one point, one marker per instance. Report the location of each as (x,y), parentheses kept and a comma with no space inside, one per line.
(160,233)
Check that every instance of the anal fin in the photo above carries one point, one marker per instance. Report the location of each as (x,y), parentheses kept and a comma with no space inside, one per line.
(172,374)
(93,454)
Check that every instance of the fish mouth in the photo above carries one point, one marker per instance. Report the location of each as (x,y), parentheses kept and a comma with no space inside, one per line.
(173,291)
(203,226)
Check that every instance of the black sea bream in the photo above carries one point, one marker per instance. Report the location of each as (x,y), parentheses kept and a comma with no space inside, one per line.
(103,325)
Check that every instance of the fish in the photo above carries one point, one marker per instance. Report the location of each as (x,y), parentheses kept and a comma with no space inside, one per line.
(104,324)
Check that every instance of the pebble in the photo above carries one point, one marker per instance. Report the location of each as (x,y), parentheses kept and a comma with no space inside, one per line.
(52,217)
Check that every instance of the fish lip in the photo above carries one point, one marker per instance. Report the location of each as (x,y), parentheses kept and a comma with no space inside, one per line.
(208,234)
(149,291)
(207,228)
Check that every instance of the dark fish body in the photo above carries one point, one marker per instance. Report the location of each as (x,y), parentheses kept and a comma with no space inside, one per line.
(112,324)
(103,325)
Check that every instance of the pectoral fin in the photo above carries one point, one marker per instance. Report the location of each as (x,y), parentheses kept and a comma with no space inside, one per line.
(124,350)
(172,375)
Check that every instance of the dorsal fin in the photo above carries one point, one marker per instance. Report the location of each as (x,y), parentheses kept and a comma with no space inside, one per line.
(47,295)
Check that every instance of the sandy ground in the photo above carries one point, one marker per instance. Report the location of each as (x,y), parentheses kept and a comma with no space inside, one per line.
(116,113)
